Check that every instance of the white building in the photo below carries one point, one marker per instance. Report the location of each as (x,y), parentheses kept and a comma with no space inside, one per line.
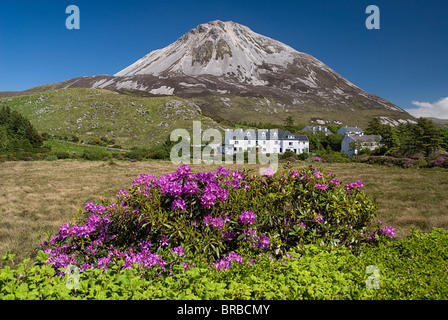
(266,141)
(351,144)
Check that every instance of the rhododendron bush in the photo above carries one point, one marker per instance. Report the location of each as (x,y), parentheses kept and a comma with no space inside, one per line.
(220,217)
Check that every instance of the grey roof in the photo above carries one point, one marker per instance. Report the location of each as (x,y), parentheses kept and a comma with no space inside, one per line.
(257,134)
(314,128)
(353,129)
(364,137)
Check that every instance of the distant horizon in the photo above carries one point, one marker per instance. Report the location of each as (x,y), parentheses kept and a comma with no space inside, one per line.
(403,62)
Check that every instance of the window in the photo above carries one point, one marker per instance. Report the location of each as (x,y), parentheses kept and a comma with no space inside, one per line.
(290,143)
(236,142)
(276,142)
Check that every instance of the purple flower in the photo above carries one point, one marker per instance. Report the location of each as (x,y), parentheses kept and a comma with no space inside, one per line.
(236,175)
(301,224)
(251,236)
(269,172)
(216,222)
(65,231)
(223,171)
(121,193)
(248,217)
(94,208)
(335,182)
(388,231)
(354,185)
(178,204)
(208,199)
(144,180)
(228,236)
(318,219)
(103,262)
(294,173)
(190,188)
(163,240)
(318,174)
(226,262)
(183,171)
(264,242)
(178,250)
(321,186)
(173,189)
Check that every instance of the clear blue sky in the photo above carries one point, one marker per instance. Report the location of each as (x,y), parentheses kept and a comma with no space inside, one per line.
(404,62)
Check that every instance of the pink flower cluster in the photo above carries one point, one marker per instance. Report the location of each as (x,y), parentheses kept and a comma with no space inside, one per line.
(218,222)
(354,186)
(248,217)
(226,262)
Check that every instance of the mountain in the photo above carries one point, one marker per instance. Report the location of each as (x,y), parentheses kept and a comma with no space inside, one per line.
(233,73)
(438,121)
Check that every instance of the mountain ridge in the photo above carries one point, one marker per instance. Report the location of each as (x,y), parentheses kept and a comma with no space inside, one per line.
(232,72)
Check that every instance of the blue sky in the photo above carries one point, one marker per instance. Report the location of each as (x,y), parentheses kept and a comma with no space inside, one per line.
(405,61)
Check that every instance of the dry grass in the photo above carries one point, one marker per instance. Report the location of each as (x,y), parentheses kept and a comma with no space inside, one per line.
(407,197)
(38,197)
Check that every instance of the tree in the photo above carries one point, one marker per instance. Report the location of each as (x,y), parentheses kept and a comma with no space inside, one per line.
(389,139)
(444,138)
(3,138)
(333,128)
(428,139)
(289,123)
(20,134)
(375,127)
(332,141)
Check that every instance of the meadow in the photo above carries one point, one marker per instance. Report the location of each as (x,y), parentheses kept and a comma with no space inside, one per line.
(37,197)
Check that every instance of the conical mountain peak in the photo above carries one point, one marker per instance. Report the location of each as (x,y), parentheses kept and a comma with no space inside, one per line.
(215,48)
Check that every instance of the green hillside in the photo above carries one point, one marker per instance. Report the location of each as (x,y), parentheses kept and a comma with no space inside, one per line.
(90,114)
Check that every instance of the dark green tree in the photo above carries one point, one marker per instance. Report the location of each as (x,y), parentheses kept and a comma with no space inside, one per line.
(444,138)
(375,127)
(332,141)
(20,134)
(428,136)
(389,138)
(289,123)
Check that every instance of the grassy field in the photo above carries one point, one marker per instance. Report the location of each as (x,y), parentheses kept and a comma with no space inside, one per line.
(38,197)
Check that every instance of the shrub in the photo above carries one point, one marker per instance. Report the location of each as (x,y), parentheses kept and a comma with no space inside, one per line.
(96,154)
(61,154)
(334,157)
(413,268)
(138,154)
(216,217)
(51,157)
(159,152)
(421,163)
